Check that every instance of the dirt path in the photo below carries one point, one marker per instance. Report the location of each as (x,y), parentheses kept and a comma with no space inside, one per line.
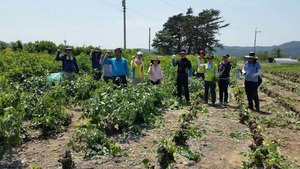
(288,139)
(43,152)
(219,149)
(140,147)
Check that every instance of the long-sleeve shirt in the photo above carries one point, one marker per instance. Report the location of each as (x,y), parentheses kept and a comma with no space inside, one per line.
(211,72)
(137,70)
(224,70)
(95,62)
(249,69)
(107,69)
(184,66)
(200,65)
(119,66)
(155,73)
(69,63)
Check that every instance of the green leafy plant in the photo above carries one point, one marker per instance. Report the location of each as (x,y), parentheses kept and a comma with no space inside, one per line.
(240,135)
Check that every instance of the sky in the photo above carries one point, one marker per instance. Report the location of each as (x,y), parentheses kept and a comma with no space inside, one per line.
(100,22)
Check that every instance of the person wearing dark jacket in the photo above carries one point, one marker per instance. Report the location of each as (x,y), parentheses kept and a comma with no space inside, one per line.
(69,63)
(95,57)
(224,74)
(184,73)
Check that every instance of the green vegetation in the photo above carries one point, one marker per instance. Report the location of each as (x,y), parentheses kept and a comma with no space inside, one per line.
(281,67)
(193,32)
(24,96)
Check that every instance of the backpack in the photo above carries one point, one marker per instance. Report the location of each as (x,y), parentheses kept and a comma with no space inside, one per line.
(259,81)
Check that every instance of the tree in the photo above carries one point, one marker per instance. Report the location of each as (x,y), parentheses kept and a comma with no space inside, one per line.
(169,40)
(188,31)
(209,23)
(191,32)
(45,46)
(30,47)
(164,43)
(16,46)
(277,53)
(3,46)
(263,56)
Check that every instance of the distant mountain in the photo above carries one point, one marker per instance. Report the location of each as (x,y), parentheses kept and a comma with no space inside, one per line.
(1,42)
(289,48)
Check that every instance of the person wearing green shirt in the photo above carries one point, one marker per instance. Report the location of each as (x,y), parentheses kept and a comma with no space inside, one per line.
(200,65)
(211,75)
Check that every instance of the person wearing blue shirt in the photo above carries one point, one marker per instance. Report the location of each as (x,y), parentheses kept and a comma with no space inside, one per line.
(95,57)
(184,73)
(69,63)
(119,68)
(251,71)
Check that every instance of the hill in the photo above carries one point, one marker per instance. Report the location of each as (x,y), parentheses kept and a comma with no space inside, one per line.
(289,48)
(1,42)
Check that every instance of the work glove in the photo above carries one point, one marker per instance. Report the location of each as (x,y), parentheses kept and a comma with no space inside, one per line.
(189,79)
(173,57)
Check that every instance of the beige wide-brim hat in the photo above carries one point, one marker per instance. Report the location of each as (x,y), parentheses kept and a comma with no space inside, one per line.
(69,48)
(155,59)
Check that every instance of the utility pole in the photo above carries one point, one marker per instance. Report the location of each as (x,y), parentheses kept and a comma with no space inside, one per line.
(256,31)
(124,10)
(149,40)
(65,41)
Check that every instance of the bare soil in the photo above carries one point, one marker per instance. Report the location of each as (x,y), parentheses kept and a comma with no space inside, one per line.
(219,149)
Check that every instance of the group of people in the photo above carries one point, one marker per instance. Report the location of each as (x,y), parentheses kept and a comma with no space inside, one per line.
(116,69)
(209,72)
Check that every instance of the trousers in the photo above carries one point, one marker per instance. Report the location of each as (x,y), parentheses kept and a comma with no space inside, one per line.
(209,85)
(182,80)
(223,90)
(252,94)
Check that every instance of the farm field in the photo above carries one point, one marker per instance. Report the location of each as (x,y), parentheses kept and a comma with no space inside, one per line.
(142,126)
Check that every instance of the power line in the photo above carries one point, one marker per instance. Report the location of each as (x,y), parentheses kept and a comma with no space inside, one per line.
(168,3)
(110,4)
(141,13)
(139,25)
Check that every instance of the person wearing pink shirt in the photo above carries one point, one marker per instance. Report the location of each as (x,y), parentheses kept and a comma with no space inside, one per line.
(155,72)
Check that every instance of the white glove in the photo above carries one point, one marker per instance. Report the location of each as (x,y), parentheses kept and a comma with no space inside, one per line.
(133,57)
(189,79)
(173,57)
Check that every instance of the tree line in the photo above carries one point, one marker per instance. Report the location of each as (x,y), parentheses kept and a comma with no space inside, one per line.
(43,47)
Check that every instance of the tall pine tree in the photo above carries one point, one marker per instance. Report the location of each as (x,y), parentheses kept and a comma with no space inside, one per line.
(191,32)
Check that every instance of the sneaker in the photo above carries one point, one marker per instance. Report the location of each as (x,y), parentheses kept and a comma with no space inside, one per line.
(257,109)
(224,103)
(218,103)
(213,104)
